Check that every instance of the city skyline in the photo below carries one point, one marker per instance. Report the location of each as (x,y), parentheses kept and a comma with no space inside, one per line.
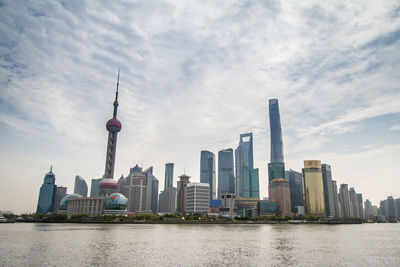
(333,70)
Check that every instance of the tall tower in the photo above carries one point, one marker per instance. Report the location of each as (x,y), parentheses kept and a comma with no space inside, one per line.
(207,171)
(108,185)
(243,157)
(276,168)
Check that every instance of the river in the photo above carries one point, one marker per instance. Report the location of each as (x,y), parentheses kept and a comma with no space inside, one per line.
(41,244)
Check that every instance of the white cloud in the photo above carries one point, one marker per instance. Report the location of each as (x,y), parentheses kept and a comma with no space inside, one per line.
(193,76)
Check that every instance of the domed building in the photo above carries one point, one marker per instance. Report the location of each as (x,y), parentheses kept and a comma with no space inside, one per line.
(115,204)
(108,186)
(65,200)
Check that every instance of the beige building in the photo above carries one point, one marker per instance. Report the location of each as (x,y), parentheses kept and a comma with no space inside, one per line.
(86,205)
(313,188)
(279,192)
(228,203)
(135,189)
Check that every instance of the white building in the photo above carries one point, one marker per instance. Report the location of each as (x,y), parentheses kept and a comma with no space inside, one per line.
(197,198)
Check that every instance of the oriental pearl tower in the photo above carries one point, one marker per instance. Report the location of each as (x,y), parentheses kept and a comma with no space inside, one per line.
(108,185)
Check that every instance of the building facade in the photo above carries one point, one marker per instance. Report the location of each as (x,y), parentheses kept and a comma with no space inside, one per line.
(197,198)
(338,212)
(169,175)
(328,191)
(344,199)
(95,187)
(167,200)
(80,186)
(353,203)
(251,187)
(47,194)
(61,192)
(243,157)
(313,188)
(279,193)
(152,190)
(276,167)
(228,203)
(181,193)
(88,205)
(226,177)
(246,207)
(135,190)
(296,190)
(207,171)
(359,199)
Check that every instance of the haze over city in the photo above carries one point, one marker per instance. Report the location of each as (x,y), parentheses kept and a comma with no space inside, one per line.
(194,76)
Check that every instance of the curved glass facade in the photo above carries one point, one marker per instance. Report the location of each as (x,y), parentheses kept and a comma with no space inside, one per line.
(116,201)
(313,188)
(64,201)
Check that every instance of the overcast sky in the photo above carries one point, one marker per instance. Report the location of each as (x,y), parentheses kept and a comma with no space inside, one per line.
(194,76)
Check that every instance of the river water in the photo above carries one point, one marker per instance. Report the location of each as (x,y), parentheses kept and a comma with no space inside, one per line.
(41,244)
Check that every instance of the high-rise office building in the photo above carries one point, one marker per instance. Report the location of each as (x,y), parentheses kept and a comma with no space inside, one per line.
(80,186)
(95,187)
(313,188)
(167,200)
(328,191)
(207,171)
(61,192)
(251,187)
(344,199)
(397,204)
(391,213)
(121,184)
(181,193)
(296,190)
(359,199)
(169,175)
(226,177)
(276,167)
(152,190)
(47,193)
(243,157)
(368,209)
(353,203)
(197,198)
(135,190)
(108,185)
(279,192)
(336,200)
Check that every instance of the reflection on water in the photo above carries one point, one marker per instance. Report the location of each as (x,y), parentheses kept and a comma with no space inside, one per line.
(198,245)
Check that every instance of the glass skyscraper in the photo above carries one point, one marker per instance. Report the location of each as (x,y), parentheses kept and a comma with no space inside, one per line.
(95,187)
(328,191)
(313,188)
(80,186)
(226,177)
(207,171)
(296,189)
(251,187)
(169,175)
(47,194)
(243,157)
(276,167)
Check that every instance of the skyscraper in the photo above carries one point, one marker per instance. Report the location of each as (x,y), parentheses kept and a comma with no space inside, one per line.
(296,190)
(152,190)
(61,192)
(47,193)
(243,157)
(95,187)
(251,187)
(328,191)
(207,171)
(368,209)
(226,177)
(353,203)
(169,175)
(181,193)
(338,212)
(313,188)
(360,205)
(121,183)
(344,199)
(108,185)
(80,186)
(279,192)
(276,167)
(135,190)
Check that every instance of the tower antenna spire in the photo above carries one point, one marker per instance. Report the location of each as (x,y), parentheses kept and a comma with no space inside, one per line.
(116,98)
(51,168)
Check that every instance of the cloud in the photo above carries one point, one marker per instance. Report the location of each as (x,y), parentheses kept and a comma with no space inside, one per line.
(193,77)
(395,127)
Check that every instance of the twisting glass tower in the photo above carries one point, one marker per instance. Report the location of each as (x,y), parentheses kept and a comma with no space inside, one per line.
(276,168)
(108,185)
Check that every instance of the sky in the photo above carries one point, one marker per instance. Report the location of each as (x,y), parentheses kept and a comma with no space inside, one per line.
(194,76)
